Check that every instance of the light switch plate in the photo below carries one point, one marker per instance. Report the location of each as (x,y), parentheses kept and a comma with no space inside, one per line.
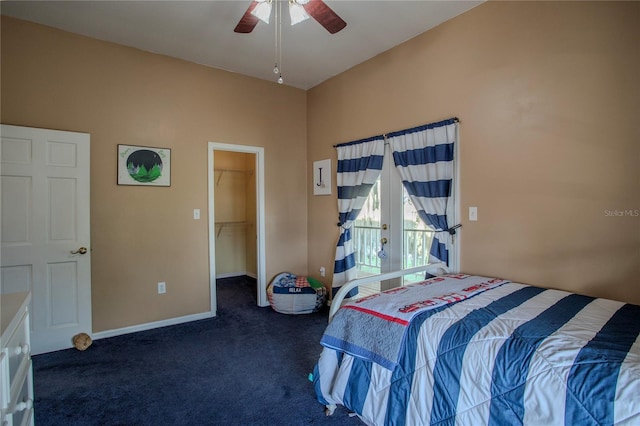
(196,213)
(473,214)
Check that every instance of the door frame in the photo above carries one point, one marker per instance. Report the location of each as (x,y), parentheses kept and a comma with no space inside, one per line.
(391,214)
(260,220)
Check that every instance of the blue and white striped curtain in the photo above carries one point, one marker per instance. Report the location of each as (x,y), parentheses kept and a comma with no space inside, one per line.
(359,165)
(424,158)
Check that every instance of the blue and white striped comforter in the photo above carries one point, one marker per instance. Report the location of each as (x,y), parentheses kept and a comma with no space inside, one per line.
(511,355)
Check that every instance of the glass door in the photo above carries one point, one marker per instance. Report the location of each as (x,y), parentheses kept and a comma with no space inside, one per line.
(416,239)
(389,235)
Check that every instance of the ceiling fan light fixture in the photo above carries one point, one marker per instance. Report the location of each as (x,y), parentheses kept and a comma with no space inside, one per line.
(262,11)
(297,12)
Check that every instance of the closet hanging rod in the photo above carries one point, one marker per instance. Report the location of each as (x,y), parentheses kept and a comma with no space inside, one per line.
(233,170)
(249,172)
(230,223)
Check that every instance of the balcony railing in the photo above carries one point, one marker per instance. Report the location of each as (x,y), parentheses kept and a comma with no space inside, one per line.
(417,244)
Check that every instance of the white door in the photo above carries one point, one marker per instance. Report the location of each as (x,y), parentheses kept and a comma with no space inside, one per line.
(389,235)
(45,230)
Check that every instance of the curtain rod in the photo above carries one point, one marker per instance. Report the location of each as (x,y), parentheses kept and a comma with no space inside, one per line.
(384,135)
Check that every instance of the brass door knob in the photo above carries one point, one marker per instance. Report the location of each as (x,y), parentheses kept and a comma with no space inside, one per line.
(81,250)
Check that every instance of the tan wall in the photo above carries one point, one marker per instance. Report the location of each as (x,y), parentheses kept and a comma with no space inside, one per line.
(235,213)
(548,98)
(53,79)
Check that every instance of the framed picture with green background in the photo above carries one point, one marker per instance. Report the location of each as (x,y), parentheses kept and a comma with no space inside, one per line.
(142,165)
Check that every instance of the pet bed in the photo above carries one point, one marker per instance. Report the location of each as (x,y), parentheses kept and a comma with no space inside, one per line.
(292,294)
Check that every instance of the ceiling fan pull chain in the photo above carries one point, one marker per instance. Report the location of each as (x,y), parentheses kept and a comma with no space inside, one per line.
(279,41)
(276,70)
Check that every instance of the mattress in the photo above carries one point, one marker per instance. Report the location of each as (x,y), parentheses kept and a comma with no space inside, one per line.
(490,352)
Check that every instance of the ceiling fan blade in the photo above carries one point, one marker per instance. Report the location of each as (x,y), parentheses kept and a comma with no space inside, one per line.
(248,21)
(325,16)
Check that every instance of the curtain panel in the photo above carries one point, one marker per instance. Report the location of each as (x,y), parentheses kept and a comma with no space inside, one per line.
(359,165)
(424,158)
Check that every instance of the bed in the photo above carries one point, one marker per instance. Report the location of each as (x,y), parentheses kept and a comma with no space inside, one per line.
(470,350)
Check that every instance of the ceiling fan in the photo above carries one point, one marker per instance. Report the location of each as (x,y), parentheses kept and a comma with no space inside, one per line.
(299,10)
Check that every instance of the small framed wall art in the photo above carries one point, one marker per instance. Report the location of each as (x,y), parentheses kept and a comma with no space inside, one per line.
(322,177)
(142,165)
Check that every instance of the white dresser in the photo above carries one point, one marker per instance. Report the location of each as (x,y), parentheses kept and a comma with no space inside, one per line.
(16,377)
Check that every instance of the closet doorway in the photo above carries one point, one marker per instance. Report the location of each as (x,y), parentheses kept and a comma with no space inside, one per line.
(236,216)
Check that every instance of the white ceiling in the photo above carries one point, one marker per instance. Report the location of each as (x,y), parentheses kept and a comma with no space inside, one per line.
(202,32)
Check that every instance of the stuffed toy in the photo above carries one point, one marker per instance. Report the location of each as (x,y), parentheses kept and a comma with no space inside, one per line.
(82,341)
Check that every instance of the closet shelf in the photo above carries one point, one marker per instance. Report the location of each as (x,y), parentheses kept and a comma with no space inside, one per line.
(230,223)
(249,172)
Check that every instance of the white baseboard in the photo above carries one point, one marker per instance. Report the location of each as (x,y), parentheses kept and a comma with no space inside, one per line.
(237,274)
(151,325)
(167,322)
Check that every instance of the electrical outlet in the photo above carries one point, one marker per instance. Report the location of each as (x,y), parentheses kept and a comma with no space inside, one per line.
(322,271)
(162,287)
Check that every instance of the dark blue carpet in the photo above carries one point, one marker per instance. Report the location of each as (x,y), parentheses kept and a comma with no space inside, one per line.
(247,366)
